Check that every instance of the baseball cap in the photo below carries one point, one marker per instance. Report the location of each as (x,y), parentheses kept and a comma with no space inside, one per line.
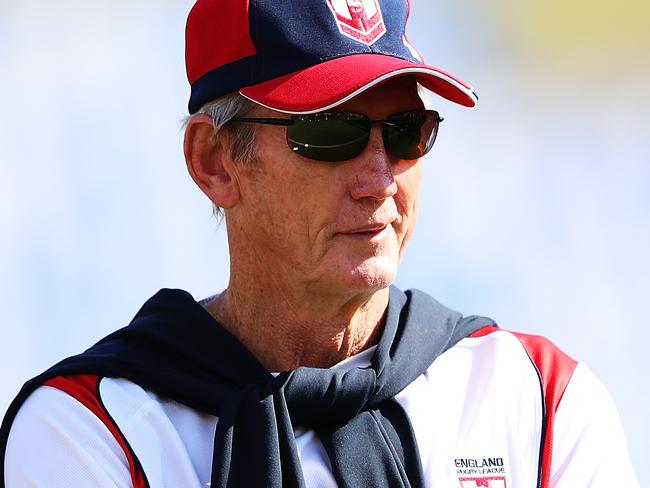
(304,56)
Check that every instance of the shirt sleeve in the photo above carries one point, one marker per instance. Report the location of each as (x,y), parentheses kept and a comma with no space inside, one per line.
(56,442)
(589,445)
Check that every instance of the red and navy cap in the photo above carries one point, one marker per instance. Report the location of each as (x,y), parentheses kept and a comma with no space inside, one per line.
(304,56)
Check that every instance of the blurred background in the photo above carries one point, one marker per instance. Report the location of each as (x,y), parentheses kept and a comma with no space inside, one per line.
(535,207)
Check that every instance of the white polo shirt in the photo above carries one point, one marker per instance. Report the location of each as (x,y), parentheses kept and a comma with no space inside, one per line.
(478,414)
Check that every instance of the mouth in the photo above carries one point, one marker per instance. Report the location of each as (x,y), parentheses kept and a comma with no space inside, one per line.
(370,232)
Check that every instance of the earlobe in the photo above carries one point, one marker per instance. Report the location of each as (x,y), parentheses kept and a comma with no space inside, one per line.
(209,163)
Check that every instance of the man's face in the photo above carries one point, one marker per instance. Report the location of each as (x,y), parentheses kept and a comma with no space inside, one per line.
(329,228)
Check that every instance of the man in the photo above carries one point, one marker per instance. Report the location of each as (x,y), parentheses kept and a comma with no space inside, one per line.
(307,130)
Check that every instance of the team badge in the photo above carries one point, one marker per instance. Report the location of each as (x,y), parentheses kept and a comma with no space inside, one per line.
(486,482)
(360,20)
(481,472)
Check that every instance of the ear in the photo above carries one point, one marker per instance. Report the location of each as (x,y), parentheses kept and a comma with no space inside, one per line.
(209,163)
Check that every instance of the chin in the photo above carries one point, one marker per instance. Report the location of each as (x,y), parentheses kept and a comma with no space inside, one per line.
(359,271)
(374,274)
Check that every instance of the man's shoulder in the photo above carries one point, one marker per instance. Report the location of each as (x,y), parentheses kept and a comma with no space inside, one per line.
(99,430)
(98,400)
(81,400)
(72,420)
(490,344)
(553,365)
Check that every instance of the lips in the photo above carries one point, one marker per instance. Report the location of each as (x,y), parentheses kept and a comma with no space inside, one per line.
(369,231)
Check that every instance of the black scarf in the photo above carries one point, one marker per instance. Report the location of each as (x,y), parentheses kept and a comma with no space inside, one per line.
(175,348)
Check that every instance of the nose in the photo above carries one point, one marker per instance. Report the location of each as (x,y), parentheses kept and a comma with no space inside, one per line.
(373,172)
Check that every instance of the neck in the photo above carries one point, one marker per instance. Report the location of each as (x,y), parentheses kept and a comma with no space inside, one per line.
(285,332)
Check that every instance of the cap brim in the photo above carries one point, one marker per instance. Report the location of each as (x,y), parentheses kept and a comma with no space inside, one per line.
(331,83)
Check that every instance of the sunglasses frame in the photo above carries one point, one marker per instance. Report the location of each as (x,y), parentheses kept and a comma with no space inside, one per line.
(353,116)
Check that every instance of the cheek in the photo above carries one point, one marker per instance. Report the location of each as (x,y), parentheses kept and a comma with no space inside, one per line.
(407,200)
(291,200)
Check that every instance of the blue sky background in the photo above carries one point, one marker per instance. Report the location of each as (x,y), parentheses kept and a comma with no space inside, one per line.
(535,207)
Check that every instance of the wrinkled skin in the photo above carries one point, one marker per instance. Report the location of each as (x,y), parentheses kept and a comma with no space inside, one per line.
(313,245)
(330,228)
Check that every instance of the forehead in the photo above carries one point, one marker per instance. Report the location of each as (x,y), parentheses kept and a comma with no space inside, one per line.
(392,96)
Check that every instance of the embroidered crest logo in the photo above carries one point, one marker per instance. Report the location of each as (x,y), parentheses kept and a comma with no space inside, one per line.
(481,472)
(485,482)
(360,20)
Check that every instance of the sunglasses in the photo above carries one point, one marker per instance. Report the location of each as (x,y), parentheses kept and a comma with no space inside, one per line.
(339,136)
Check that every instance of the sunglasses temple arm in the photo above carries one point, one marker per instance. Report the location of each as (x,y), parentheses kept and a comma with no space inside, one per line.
(255,120)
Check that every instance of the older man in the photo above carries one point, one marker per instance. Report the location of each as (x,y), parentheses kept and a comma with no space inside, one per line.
(307,130)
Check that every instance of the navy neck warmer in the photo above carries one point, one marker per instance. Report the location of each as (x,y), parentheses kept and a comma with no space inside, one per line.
(175,348)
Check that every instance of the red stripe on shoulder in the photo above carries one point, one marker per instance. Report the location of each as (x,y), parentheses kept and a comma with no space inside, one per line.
(484,331)
(555,369)
(85,389)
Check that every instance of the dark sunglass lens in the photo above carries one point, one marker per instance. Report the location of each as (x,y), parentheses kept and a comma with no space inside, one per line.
(329,137)
(410,135)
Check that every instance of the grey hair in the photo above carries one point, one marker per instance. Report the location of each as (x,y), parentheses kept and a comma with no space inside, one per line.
(242,136)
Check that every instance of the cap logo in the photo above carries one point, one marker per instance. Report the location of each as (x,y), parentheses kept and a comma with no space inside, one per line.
(360,20)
